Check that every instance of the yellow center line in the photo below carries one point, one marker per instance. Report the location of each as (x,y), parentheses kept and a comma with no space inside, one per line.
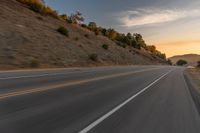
(46,88)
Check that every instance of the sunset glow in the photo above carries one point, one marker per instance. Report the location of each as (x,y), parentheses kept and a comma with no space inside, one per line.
(172,25)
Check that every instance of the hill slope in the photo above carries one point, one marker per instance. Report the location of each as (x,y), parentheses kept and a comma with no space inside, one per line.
(28,38)
(190,58)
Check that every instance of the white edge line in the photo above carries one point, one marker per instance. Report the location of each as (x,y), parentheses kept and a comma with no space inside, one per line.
(95,123)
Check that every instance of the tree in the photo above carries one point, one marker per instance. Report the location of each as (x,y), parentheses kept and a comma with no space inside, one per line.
(64,17)
(112,34)
(169,62)
(92,26)
(140,41)
(76,18)
(181,62)
(104,31)
(151,48)
(129,36)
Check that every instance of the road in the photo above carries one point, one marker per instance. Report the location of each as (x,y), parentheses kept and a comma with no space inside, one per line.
(131,99)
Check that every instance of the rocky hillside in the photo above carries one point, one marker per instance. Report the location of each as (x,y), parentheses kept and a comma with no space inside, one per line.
(192,59)
(29,39)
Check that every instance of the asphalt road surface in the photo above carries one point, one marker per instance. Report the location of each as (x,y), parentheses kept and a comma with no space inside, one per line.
(132,99)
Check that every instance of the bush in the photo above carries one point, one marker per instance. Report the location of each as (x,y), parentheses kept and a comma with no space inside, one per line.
(84,26)
(181,62)
(97,32)
(76,38)
(34,63)
(198,64)
(86,35)
(63,17)
(39,7)
(169,62)
(63,31)
(105,46)
(36,7)
(93,57)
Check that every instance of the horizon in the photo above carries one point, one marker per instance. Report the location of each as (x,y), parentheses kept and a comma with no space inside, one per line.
(162,23)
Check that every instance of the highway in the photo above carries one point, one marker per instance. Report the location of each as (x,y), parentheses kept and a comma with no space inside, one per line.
(122,99)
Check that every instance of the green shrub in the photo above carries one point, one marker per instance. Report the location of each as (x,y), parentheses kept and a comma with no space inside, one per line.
(76,38)
(86,35)
(63,17)
(105,46)
(36,7)
(63,31)
(93,57)
(34,63)
(84,26)
(97,32)
(169,62)
(39,7)
(181,62)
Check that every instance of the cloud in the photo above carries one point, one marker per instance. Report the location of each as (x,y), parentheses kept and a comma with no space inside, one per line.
(141,17)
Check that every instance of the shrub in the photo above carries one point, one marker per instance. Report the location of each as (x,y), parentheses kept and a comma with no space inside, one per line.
(93,57)
(63,17)
(84,26)
(97,32)
(105,46)
(36,7)
(92,26)
(34,63)
(39,7)
(181,62)
(76,38)
(48,11)
(169,62)
(76,18)
(63,31)
(39,18)
(198,64)
(86,35)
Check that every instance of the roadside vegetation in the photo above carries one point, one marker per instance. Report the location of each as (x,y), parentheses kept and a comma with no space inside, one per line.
(39,7)
(93,57)
(62,30)
(169,62)
(105,46)
(34,63)
(198,64)
(181,62)
(134,40)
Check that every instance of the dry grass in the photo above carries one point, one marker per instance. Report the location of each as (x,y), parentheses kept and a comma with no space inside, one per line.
(39,7)
(28,35)
(195,75)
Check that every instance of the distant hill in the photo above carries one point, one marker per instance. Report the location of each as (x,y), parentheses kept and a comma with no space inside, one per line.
(30,39)
(190,58)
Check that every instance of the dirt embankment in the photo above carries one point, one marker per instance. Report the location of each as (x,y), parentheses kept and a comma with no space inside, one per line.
(28,39)
(192,77)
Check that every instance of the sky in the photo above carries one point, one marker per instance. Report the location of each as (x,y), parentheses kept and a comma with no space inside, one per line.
(173,26)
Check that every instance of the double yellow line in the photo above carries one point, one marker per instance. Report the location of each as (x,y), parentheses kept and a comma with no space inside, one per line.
(51,87)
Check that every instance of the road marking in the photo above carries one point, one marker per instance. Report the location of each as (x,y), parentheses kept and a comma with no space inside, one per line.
(43,75)
(46,88)
(99,120)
